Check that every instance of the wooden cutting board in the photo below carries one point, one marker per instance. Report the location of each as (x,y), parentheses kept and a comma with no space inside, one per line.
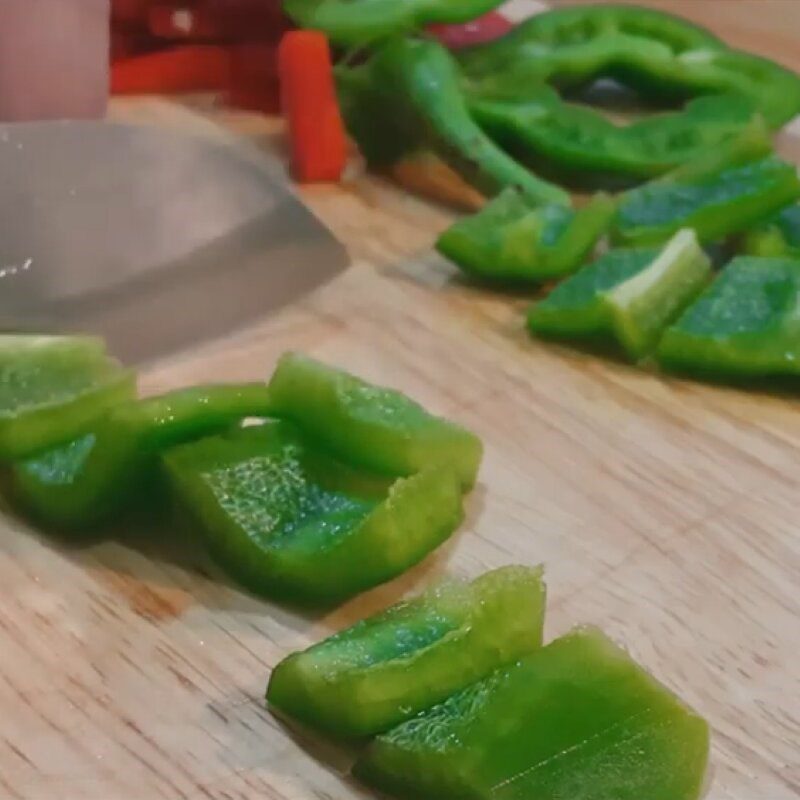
(665,511)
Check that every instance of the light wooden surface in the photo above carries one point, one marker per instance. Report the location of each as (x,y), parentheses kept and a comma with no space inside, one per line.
(665,511)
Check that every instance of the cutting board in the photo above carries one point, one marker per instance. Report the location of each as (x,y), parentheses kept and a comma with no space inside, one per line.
(664,510)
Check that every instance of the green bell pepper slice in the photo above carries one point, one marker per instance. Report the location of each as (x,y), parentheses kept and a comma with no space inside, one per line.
(647,50)
(746,324)
(288,521)
(52,388)
(585,148)
(577,719)
(386,669)
(627,296)
(377,428)
(512,239)
(86,482)
(716,206)
(355,23)
(422,85)
(778,236)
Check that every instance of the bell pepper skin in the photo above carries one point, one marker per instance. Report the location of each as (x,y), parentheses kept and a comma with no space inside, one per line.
(386,669)
(289,522)
(377,428)
(576,719)
(87,481)
(716,207)
(362,22)
(652,52)
(584,147)
(511,239)
(52,388)
(424,84)
(629,296)
(743,326)
(778,236)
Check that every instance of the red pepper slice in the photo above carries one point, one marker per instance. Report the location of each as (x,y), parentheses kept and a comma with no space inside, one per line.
(483,29)
(310,106)
(192,68)
(226,20)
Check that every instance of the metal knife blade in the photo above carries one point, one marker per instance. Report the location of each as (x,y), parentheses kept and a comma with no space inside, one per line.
(152,238)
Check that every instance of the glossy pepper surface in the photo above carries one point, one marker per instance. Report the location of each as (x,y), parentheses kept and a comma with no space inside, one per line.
(422,86)
(389,667)
(744,325)
(716,206)
(512,239)
(362,22)
(776,236)
(577,719)
(52,388)
(653,52)
(378,428)
(627,296)
(114,464)
(286,520)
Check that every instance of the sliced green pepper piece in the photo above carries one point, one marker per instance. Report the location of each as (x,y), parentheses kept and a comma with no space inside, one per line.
(387,668)
(424,86)
(288,521)
(577,720)
(746,324)
(377,428)
(539,126)
(629,296)
(52,388)
(514,239)
(715,207)
(652,52)
(85,482)
(361,22)
(778,236)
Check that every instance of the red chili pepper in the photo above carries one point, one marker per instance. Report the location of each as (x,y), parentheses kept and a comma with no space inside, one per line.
(308,98)
(254,78)
(483,29)
(227,20)
(194,68)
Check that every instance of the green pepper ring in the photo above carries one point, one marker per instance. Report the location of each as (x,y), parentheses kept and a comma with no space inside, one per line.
(510,83)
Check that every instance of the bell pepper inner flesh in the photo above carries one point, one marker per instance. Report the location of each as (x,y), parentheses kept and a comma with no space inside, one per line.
(389,667)
(746,324)
(512,239)
(577,719)
(715,207)
(288,521)
(628,296)
(379,428)
(777,236)
(52,388)
(88,480)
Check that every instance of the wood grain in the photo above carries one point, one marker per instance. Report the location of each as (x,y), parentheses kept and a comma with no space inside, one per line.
(664,510)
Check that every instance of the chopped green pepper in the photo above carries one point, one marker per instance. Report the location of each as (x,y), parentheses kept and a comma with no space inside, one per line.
(514,239)
(361,22)
(576,720)
(586,147)
(288,521)
(650,51)
(627,295)
(380,429)
(776,236)
(52,388)
(422,84)
(746,324)
(415,654)
(85,482)
(715,206)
